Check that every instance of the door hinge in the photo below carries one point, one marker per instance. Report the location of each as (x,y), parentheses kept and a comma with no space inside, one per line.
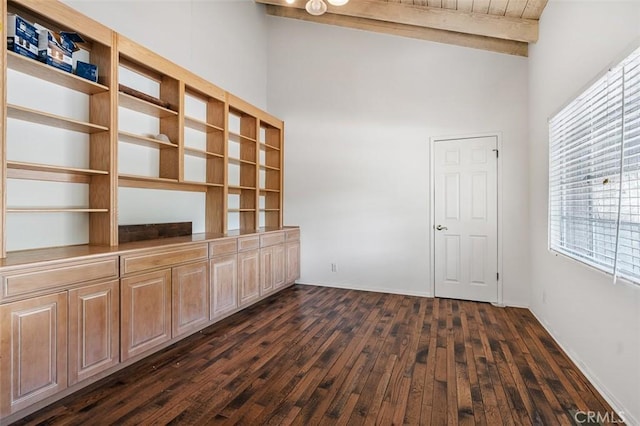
(497,153)
(498,276)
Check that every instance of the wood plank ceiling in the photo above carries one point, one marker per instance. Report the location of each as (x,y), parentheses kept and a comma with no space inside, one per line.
(504,26)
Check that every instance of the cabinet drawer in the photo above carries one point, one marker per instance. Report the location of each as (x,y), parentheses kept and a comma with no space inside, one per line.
(271,239)
(219,248)
(293,234)
(48,277)
(248,243)
(156,259)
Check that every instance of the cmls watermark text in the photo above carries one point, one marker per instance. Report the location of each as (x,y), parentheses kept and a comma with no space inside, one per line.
(597,417)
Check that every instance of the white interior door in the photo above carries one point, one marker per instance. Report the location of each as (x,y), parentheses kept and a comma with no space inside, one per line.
(466,218)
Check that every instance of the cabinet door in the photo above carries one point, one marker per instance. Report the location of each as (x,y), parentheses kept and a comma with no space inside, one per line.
(33,349)
(145,312)
(249,276)
(266,270)
(94,333)
(279,266)
(224,285)
(293,262)
(190,300)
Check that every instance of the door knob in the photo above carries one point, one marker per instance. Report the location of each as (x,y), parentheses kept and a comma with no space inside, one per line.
(441,228)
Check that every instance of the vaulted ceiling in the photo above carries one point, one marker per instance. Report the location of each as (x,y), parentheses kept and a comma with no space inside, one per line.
(505,26)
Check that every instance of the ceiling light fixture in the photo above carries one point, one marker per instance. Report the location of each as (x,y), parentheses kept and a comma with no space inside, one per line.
(318,7)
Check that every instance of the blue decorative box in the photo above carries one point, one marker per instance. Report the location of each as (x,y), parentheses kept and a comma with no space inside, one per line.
(56,49)
(22,36)
(86,70)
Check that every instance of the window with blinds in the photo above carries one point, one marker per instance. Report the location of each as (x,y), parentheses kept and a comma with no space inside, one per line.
(594,174)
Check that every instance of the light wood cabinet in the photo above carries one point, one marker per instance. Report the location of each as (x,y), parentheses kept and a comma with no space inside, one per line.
(224,285)
(279,266)
(249,276)
(33,349)
(145,312)
(272,268)
(94,332)
(190,297)
(154,259)
(293,261)
(31,281)
(266,270)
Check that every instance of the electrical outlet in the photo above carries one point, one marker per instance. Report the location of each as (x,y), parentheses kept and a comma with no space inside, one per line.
(334,267)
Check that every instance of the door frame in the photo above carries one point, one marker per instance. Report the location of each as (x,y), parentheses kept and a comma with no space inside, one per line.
(432,193)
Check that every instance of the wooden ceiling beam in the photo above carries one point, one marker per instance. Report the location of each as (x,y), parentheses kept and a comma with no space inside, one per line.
(533,9)
(503,27)
(510,47)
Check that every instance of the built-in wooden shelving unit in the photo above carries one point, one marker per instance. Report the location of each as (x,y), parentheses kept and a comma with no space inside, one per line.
(217,144)
(97,122)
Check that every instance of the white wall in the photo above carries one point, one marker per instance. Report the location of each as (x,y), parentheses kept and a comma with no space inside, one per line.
(222,41)
(597,322)
(359,110)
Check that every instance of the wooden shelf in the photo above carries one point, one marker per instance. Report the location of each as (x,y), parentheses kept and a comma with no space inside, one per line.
(146,178)
(145,107)
(239,161)
(240,210)
(53,169)
(147,182)
(264,190)
(265,146)
(42,71)
(201,153)
(265,167)
(143,140)
(54,210)
(269,210)
(237,137)
(195,124)
(216,185)
(40,117)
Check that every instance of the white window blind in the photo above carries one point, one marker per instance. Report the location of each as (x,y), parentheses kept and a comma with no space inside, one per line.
(594,173)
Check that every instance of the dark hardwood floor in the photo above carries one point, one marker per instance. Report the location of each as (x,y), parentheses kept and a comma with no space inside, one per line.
(314,355)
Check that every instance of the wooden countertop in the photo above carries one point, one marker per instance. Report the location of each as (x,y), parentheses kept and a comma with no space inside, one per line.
(41,257)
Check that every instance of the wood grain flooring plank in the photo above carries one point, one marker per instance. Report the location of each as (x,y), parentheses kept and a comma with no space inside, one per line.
(464,405)
(430,371)
(514,388)
(489,398)
(474,382)
(496,380)
(439,410)
(423,330)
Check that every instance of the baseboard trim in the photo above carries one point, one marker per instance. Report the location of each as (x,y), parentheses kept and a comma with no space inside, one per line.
(396,291)
(375,290)
(628,418)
